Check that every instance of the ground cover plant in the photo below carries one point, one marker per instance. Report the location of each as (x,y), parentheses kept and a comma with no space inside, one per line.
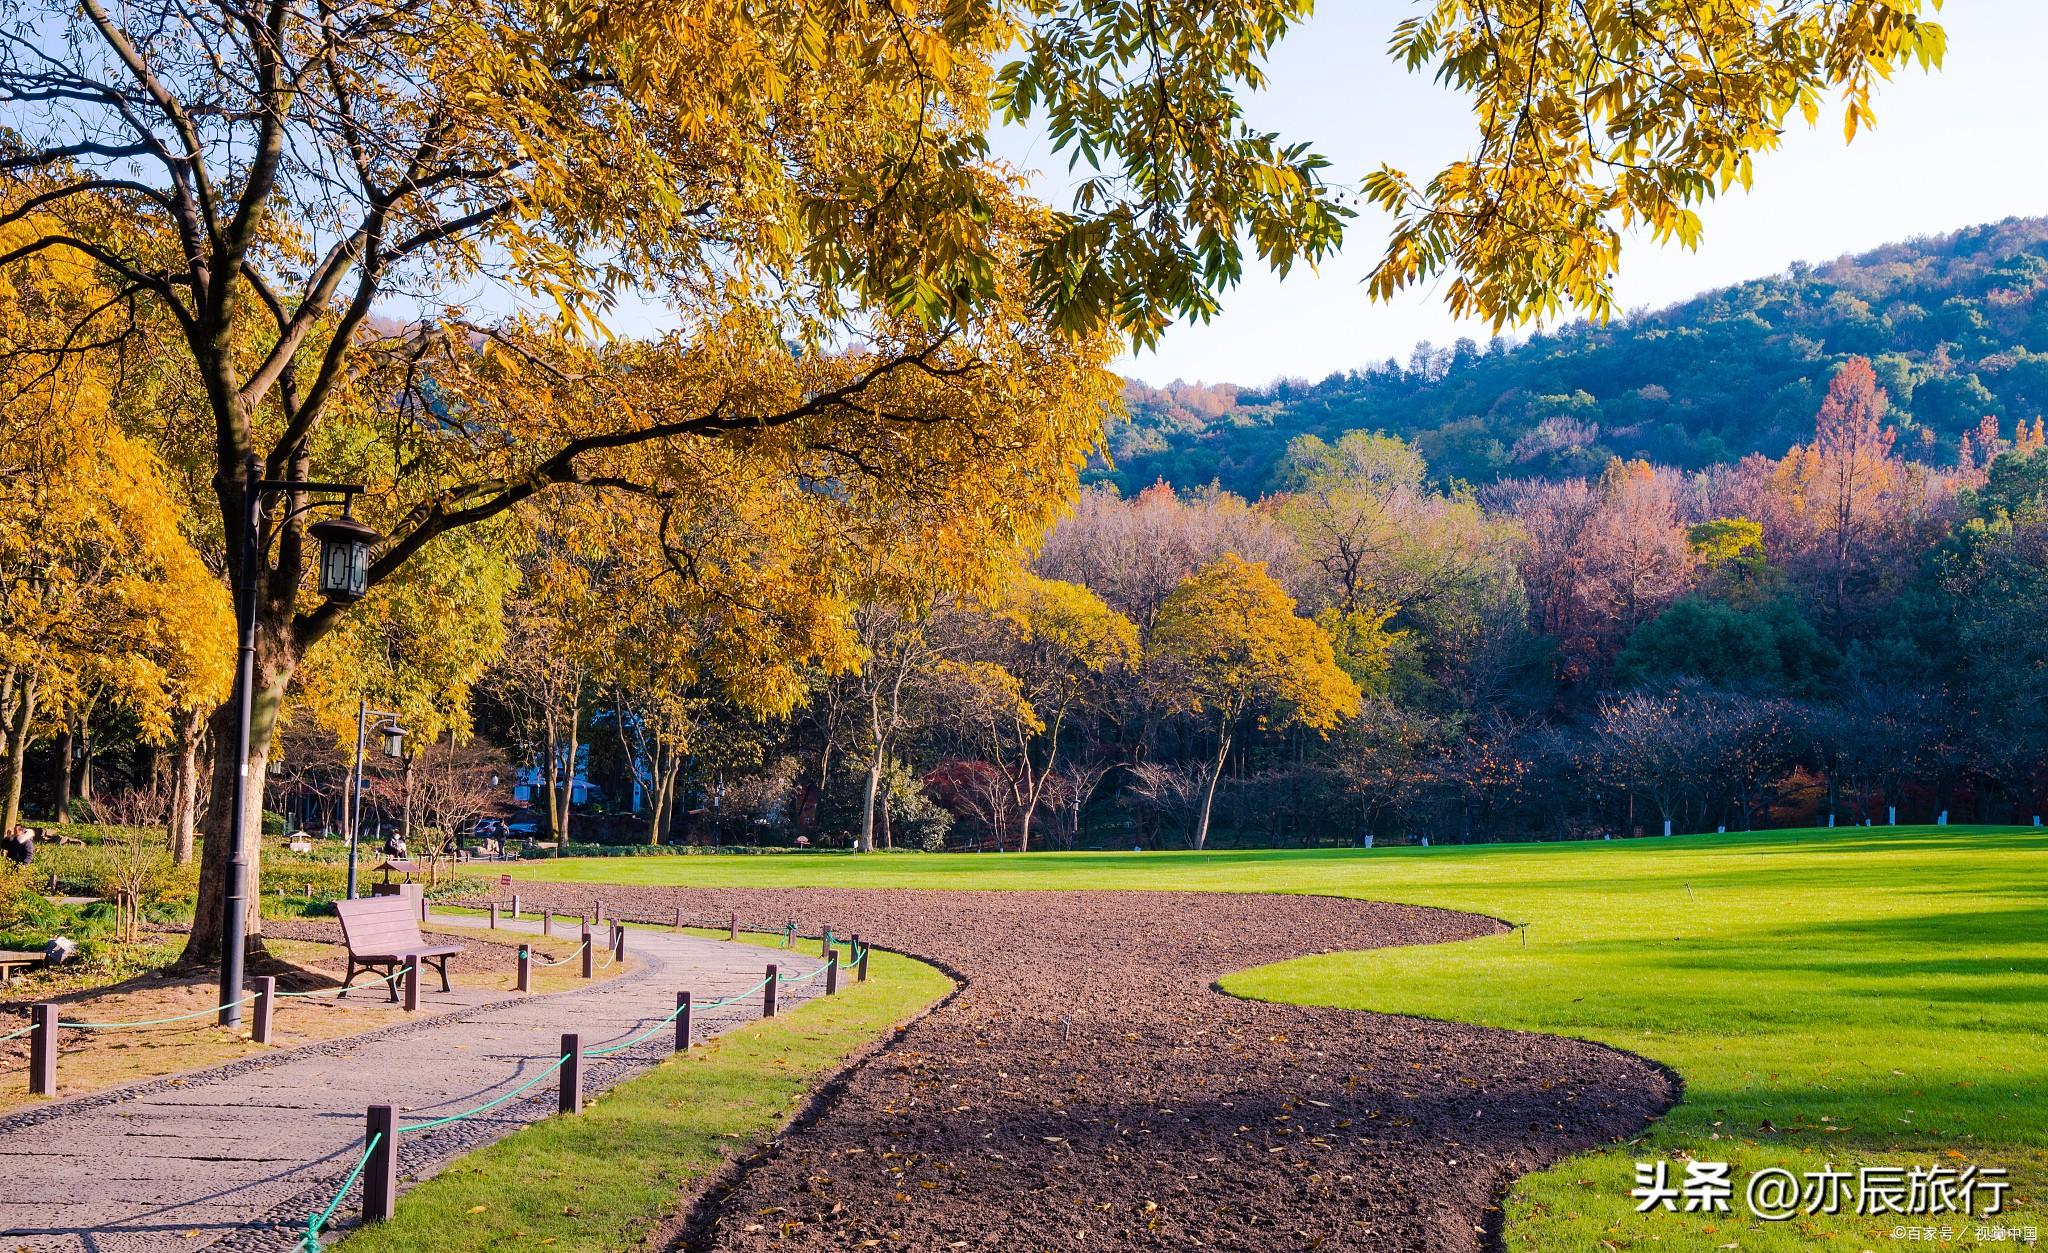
(611,1177)
(1856,996)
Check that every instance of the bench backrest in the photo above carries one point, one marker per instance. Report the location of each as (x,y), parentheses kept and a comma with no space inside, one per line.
(380,924)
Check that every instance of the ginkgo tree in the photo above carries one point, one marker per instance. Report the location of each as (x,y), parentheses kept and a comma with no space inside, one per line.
(1229,647)
(101,597)
(1040,652)
(866,304)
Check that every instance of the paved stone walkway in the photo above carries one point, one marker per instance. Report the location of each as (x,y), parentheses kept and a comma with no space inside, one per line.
(238,1156)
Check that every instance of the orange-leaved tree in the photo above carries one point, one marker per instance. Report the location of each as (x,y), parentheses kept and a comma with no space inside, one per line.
(1228,646)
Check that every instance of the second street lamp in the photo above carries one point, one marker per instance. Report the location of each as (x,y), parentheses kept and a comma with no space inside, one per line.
(386,725)
(344,550)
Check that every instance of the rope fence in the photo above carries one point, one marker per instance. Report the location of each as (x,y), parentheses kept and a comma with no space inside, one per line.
(154,1022)
(376,1166)
(578,952)
(317,1221)
(489,1105)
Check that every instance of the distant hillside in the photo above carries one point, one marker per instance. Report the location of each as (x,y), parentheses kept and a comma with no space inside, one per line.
(1957,327)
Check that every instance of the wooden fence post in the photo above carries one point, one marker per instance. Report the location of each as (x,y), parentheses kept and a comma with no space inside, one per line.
(618,941)
(494,915)
(589,959)
(679,917)
(412,984)
(832,975)
(683,1008)
(515,907)
(525,969)
(380,1173)
(768,994)
(863,963)
(825,944)
(597,909)
(732,927)
(572,1074)
(266,1005)
(42,1050)
(547,922)
(423,905)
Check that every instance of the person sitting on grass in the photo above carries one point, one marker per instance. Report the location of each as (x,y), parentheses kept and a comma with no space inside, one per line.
(19,845)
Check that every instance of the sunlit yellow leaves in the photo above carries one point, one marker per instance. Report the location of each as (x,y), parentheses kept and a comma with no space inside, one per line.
(1228,642)
(101,596)
(1599,117)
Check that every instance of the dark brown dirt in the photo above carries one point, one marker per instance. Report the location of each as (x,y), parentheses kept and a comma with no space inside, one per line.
(1088,1088)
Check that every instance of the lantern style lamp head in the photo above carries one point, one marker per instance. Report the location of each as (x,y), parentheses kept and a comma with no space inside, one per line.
(344,557)
(394,740)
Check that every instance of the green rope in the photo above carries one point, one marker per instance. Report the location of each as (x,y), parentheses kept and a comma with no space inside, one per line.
(737,997)
(490,1104)
(801,978)
(313,1225)
(621,1047)
(571,957)
(344,987)
(12,1034)
(155,1022)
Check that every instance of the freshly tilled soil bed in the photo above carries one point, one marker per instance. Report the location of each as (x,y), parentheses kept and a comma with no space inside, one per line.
(1088,1088)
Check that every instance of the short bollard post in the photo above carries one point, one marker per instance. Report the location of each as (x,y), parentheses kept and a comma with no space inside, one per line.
(525,969)
(679,917)
(572,1073)
(266,1004)
(494,915)
(380,1172)
(825,944)
(589,961)
(768,994)
(412,984)
(732,927)
(42,1050)
(597,910)
(515,907)
(547,922)
(832,975)
(863,962)
(789,935)
(423,907)
(682,1022)
(619,942)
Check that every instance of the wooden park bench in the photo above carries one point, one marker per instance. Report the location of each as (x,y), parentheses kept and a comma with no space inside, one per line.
(382,931)
(12,961)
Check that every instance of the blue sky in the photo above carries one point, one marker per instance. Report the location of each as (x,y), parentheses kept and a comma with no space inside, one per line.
(1951,149)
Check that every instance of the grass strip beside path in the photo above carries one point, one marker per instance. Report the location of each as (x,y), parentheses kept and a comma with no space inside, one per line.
(615,1174)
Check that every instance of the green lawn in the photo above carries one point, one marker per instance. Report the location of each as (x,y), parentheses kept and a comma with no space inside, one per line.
(1861,996)
(609,1177)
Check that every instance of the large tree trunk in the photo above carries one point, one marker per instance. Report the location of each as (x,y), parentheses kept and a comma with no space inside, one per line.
(275,664)
(867,809)
(1209,793)
(19,717)
(60,809)
(83,785)
(185,783)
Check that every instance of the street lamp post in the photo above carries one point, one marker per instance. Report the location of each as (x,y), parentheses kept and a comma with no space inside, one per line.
(344,576)
(394,746)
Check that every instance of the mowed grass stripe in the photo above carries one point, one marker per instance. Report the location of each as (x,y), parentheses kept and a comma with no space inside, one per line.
(1859,995)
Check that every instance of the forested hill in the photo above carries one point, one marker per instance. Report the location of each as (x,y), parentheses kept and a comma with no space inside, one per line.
(1956,326)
